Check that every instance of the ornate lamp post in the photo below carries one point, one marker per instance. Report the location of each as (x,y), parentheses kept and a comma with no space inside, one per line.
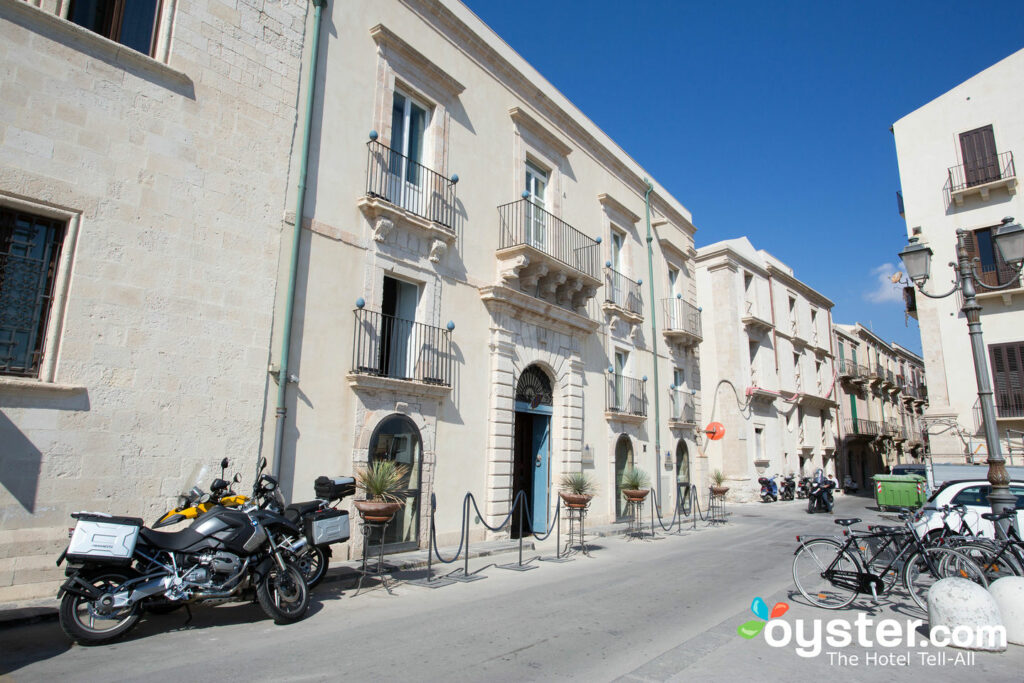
(1009,241)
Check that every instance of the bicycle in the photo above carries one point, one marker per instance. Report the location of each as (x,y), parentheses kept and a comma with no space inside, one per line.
(830,574)
(998,557)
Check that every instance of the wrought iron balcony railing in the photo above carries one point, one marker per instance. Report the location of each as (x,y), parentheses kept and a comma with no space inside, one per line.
(683,406)
(862,427)
(622,291)
(387,346)
(681,315)
(525,223)
(983,171)
(409,185)
(847,368)
(626,395)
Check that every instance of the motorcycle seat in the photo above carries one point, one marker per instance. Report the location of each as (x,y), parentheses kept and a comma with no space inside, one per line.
(847,522)
(172,540)
(297,511)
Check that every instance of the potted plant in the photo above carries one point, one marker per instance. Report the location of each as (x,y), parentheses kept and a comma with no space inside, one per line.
(383,483)
(636,484)
(718,488)
(577,489)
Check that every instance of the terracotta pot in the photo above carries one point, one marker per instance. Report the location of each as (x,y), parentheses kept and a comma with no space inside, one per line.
(575,500)
(719,490)
(376,511)
(635,494)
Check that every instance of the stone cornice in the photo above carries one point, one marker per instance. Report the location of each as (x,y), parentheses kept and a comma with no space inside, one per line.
(387,40)
(531,309)
(404,387)
(613,204)
(522,118)
(562,114)
(732,256)
(803,288)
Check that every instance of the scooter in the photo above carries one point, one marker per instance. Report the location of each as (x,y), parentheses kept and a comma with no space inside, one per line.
(788,491)
(803,489)
(769,490)
(819,498)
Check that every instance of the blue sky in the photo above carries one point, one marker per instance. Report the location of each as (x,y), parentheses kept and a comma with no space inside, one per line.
(770,120)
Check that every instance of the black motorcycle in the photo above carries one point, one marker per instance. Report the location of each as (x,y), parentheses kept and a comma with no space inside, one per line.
(117,567)
(788,489)
(321,525)
(803,489)
(819,498)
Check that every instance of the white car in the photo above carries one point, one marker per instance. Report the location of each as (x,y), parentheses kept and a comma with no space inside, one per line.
(973,493)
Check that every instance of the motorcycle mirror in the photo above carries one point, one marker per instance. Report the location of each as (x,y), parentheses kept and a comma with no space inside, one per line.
(237,478)
(223,465)
(263,465)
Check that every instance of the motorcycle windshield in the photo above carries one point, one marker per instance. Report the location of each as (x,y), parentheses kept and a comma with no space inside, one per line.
(196,480)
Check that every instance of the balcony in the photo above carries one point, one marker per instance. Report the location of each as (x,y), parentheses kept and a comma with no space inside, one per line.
(981,178)
(1009,404)
(752,321)
(683,408)
(625,399)
(682,322)
(546,257)
(850,371)
(401,355)
(403,193)
(862,429)
(876,373)
(910,301)
(622,296)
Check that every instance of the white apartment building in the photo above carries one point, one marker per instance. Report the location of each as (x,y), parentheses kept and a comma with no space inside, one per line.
(767,367)
(472,293)
(957,170)
(881,398)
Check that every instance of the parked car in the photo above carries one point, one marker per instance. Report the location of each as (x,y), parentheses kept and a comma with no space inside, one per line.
(972,493)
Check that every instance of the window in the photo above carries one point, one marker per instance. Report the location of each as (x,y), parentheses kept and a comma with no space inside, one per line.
(618,242)
(30,249)
(994,271)
(400,337)
(1008,378)
(397,439)
(972,495)
(981,161)
(536,182)
(673,281)
(406,173)
(132,23)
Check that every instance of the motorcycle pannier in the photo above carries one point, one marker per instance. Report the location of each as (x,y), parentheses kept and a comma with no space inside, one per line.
(327,526)
(103,538)
(334,488)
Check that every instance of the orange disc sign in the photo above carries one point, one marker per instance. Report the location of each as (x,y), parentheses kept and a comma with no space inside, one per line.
(715,431)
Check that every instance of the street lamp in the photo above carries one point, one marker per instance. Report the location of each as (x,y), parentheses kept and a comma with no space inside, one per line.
(916,257)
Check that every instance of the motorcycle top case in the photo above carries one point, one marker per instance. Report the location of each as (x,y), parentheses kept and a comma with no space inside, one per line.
(334,488)
(103,538)
(327,526)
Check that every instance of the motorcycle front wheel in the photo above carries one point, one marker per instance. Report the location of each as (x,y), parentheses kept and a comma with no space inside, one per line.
(88,623)
(284,595)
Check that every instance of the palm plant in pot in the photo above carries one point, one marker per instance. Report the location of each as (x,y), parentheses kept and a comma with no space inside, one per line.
(383,484)
(718,487)
(636,484)
(577,488)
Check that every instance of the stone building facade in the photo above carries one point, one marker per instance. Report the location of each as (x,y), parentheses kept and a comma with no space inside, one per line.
(142,185)
(767,366)
(957,161)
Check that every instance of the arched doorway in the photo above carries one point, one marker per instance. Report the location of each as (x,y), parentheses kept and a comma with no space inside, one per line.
(683,479)
(531,449)
(623,461)
(397,438)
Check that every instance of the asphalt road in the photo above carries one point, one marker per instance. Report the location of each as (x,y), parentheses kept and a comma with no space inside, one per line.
(656,610)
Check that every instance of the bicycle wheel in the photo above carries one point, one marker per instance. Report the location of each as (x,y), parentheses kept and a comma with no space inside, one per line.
(923,569)
(813,561)
(993,560)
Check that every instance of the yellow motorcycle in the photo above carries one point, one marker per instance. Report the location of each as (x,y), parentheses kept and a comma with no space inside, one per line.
(195,502)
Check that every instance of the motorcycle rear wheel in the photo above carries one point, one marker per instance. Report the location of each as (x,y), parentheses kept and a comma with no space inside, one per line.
(313,565)
(83,623)
(284,596)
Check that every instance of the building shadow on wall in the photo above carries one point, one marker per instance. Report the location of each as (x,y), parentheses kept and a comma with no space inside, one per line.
(20,458)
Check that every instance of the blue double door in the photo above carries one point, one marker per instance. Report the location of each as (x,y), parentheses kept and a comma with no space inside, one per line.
(531,469)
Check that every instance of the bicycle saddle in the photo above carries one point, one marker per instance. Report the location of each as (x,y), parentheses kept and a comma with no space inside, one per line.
(994,517)
(847,522)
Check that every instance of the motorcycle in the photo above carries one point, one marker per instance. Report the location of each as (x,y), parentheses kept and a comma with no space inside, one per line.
(788,491)
(117,567)
(820,496)
(803,489)
(769,489)
(192,502)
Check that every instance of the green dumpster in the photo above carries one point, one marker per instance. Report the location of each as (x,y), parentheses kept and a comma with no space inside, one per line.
(899,490)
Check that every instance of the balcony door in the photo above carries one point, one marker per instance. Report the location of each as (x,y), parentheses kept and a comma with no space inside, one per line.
(981,162)
(536,184)
(399,344)
(674,305)
(409,121)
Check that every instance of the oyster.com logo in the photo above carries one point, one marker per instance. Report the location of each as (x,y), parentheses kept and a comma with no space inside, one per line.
(759,607)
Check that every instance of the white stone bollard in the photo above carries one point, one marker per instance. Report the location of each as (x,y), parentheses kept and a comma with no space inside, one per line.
(1009,595)
(967,613)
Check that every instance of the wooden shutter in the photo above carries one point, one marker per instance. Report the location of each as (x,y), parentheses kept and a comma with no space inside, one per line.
(981,163)
(1008,378)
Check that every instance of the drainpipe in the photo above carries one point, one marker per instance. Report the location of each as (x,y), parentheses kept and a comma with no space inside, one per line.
(283,376)
(654,341)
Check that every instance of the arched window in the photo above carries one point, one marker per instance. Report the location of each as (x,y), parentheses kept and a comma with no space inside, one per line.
(396,438)
(623,461)
(534,388)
